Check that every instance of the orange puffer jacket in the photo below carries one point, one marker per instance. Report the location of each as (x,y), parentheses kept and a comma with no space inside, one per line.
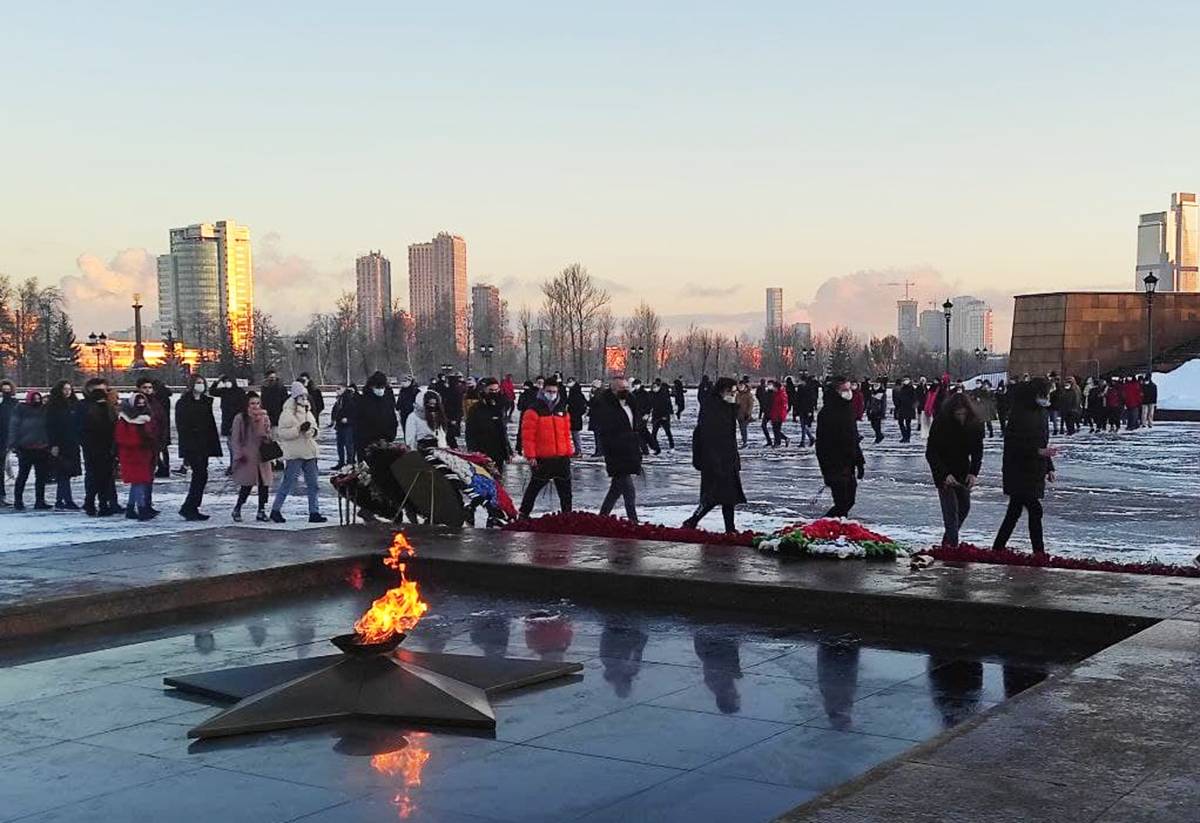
(545,435)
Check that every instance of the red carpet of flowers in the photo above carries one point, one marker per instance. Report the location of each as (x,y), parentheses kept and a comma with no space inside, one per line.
(966,553)
(830,529)
(593,525)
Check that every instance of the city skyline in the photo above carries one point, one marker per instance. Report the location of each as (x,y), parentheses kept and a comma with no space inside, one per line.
(720,142)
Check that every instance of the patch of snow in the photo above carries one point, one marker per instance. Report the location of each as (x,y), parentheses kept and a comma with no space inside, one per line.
(1180,389)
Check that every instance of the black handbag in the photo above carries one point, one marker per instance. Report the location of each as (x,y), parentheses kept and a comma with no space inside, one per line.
(269,451)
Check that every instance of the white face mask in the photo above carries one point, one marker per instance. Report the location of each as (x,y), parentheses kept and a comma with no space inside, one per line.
(1044,402)
(551,398)
(729,398)
(198,389)
(846,394)
(378,391)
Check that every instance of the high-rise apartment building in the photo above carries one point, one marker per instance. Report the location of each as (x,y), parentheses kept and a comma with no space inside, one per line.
(206,284)
(1167,246)
(373,293)
(802,333)
(437,284)
(774,308)
(907,326)
(485,315)
(932,327)
(970,324)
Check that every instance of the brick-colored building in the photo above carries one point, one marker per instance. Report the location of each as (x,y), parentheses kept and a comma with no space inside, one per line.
(1090,333)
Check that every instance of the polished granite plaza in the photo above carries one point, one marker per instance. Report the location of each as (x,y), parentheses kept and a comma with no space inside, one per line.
(678,716)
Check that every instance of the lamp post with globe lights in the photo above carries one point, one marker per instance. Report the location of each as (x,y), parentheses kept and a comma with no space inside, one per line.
(487,350)
(1151,283)
(947,310)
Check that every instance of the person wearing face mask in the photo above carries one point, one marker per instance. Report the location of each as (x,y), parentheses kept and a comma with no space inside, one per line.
(660,414)
(615,425)
(27,436)
(97,422)
(1028,462)
(251,429)
(486,427)
(316,401)
(838,451)
(715,455)
(8,402)
(577,406)
(427,426)
(643,406)
(64,443)
(232,398)
(593,396)
(745,409)
(778,413)
(904,405)
(161,421)
(546,444)
(985,404)
(374,422)
(921,388)
(274,395)
(297,437)
(342,419)
(806,395)
(954,452)
(198,441)
(137,443)
(529,396)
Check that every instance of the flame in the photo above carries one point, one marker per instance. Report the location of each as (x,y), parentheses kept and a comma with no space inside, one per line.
(407,764)
(399,609)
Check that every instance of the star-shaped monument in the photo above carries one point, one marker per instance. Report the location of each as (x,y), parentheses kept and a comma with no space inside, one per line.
(403,686)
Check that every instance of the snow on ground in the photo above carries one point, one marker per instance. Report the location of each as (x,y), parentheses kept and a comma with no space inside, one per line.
(993,378)
(1125,496)
(1180,389)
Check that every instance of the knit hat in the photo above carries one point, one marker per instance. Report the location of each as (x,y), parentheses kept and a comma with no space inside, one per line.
(298,390)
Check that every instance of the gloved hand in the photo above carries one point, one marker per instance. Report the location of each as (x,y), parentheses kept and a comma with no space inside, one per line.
(861,470)
(305,426)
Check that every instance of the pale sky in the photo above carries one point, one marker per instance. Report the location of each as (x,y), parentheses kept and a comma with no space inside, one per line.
(689,153)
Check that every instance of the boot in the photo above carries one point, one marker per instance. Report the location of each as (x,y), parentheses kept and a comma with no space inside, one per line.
(42,506)
(261,517)
(130,513)
(237,514)
(317,517)
(276,517)
(147,514)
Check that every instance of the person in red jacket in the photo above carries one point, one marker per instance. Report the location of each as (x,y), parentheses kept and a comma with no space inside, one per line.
(508,394)
(1131,393)
(137,446)
(546,444)
(858,402)
(778,413)
(1113,403)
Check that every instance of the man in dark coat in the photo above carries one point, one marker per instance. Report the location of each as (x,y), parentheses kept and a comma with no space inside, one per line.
(904,402)
(1028,461)
(715,455)
(162,400)
(233,403)
(8,402)
(614,422)
(660,413)
(406,398)
(452,403)
(161,421)
(342,418)
(577,406)
(375,415)
(97,421)
(955,455)
(274,395)
(198,440)
(643,406)
(678,394)
(486,426)
(838,451)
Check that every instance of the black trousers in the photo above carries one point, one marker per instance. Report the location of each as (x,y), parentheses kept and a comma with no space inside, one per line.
(844,490)
(37,460)
(163,469)
(665,425)
(244,495)
(649,441)
(198,467)
(1030,504)
(877,426)
(556,470)
(99,485)
(621,486)
(727,512)
(766,430)
(905,424)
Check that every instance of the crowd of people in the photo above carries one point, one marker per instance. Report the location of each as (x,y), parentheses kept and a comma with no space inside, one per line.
(102,436)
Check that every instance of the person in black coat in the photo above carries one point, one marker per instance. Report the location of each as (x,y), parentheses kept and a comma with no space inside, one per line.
(1028,461)
(345,409)
(8,402)
(678,394)
(715,455)
(198,440)
(233,403)
(660,413)
(64,442)
(274,395)
(806,408)
(375,415)
(487,425)
(904,404)
(96,420)
(614,419)
(406,398)
(577,406)
(954,452)
(525,400)
(838,451)
(162,401)
(316,401)
(643,406)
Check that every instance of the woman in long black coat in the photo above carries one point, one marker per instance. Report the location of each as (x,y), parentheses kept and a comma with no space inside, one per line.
(63,432)
(715,455)
(1028,461)
(613,419)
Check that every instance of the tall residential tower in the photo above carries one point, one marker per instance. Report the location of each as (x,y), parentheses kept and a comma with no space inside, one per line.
(485,315)
(774,309)
(437,284)
(206,284)
(373,293)
(1167,246)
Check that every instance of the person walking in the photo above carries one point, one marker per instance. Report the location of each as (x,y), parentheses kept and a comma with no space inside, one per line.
(1028,462)
(679,395)
(316,400)
(922,394)
(744,400)
(985,405)
(593,396)
(28,437)
(345,409)
(954,452)
(63,434)
(97,422)
(876,406)
(577,407)
(198,441)
(1131,395)
(715,455)
(643,405)
(839,454)
(487,425)
(660,413)
(1113,404)
(251,430)
(374,420)
(274,395)
(1149,401)
(807,396)
(546,444)
(904,403)
(160,418)
(427,426)
(778,414)
(615,420)
(508,395)
(8,402)
(1096,413)
(297,438)
(137,449)
(1003,405)
(1069,405)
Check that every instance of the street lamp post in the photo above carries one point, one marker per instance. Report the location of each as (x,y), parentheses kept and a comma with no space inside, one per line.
(97,342)
(300,346)
(947,309)
(1151,283)
(637,353)
(487,350)
(807,356)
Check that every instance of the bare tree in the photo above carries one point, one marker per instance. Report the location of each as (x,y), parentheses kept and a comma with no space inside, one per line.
(572,301)
(525,329)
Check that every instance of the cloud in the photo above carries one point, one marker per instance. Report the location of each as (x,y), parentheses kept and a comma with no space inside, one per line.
(291,288)
(734,323)
(100,295)
(698,290)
